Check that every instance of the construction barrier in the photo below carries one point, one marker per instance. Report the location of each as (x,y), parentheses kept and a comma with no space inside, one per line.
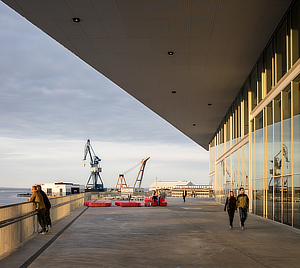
(149,202)
(128,204)
(97,204)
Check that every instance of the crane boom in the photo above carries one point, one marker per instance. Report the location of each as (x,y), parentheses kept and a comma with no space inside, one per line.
(141,172)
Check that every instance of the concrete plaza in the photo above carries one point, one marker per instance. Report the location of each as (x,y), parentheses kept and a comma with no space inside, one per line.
(191,234)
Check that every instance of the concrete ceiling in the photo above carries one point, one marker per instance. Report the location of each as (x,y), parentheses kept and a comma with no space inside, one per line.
(215,43)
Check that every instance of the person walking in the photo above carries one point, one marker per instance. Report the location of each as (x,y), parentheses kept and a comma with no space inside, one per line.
(47,208)
(242,203)
(154,196)
(158,197)
(184,193)
(230,204)
(39,206)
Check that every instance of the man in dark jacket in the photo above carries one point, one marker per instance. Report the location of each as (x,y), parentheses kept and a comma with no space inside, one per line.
(39,206)
(47,208)
(242,203)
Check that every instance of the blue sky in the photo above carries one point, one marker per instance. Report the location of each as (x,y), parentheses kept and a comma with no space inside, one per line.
(51,102)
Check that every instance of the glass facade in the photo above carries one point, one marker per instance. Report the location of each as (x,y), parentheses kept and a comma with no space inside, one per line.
(257,145)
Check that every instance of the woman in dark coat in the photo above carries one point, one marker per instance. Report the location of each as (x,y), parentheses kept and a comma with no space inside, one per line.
(230,204)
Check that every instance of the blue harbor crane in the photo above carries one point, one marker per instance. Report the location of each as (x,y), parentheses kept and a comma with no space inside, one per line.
(94,182)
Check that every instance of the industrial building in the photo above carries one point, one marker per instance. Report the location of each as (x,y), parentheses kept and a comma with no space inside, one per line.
(224,73)
(193,191)
(168,185)
(62,188)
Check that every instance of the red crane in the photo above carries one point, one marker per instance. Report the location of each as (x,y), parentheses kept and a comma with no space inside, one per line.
(121,182)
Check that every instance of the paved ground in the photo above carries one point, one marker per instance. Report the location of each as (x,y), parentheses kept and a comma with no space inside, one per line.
(191,234)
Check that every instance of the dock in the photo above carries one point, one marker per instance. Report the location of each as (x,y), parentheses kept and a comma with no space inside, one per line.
(191,234)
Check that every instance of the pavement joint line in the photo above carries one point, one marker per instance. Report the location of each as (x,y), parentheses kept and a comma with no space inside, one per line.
(43,248)
(196,261)
(219,238)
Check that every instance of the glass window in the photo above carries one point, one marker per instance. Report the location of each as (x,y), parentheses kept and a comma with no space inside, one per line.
(269,142)
(270,187)
(238,124)
(221,139)
(296,201)
(246,109)
(287,131)
(254,88)
(259,160)
(212,158)
(295,31)
(269,156)
(287,199)
(245,167)
(259,80)
(259,197)
(268,67)
(281,50)
(236,169)
(228,132)
(234,130)
(277,136)
(277,198)
(296,126)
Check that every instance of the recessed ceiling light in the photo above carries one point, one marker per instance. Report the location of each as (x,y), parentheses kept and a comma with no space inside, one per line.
(170,53)
(76,19)
(209,104)
(174,91)
(194,125)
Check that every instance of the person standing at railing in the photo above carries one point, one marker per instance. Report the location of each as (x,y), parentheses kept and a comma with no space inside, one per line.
(47,208)
(39,206)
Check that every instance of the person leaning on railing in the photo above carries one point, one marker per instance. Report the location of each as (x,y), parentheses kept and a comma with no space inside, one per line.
(47,208)
(39,206)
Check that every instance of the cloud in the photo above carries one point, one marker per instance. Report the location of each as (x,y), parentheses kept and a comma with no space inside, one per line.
(51,103)
(30,161)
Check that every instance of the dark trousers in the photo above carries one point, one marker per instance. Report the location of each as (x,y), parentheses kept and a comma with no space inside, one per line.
(183,198)
(243,215)
(41,218)
(231,215)
(47,216)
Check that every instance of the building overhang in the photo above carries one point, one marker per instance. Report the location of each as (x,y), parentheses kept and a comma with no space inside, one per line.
(185,60)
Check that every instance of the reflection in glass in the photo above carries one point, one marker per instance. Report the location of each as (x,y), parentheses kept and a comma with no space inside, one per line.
(277,198)
(236,170)
(296,128)
(259,195)
(296,201)
(277,136)
(270,187)
(287,131)
(269,141)
(287,199)
(259,162)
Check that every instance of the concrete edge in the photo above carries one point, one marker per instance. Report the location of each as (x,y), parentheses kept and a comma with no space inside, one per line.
(31,246)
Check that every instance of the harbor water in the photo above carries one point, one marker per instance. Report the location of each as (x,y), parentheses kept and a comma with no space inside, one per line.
(9,196)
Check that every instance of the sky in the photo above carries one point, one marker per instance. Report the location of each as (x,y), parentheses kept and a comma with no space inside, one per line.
(51,102)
